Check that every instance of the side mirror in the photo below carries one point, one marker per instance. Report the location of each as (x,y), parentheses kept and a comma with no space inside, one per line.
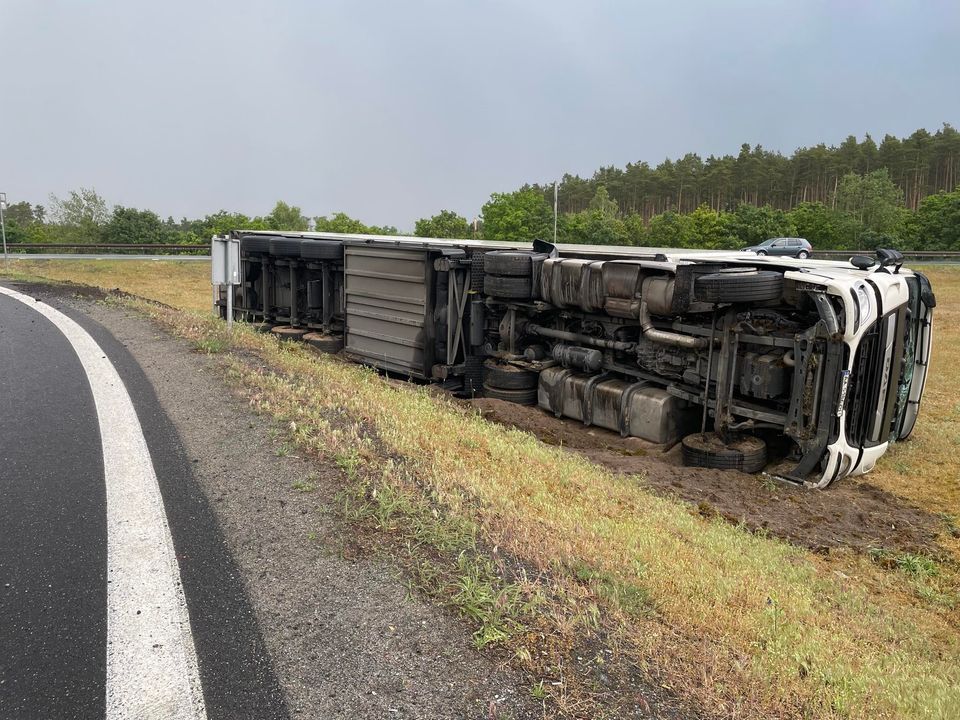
(890,257)
(862,262)
(542,246)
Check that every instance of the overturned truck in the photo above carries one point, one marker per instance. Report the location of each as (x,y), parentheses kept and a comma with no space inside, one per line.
(806,368)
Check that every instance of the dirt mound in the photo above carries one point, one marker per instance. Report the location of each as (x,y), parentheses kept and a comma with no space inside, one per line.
(851,513)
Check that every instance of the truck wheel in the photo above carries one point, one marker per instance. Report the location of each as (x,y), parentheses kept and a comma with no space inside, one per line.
(255,244)
(521,397)
(508,377)
(285,247)
(321,250)
(287,332)
(324,343)
(508,287)
(739,286)
(745,453)
(510,262)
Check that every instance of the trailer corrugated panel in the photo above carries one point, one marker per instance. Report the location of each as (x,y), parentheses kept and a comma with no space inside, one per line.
(389,308)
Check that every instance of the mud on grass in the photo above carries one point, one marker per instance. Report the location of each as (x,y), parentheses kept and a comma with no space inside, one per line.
(852,514)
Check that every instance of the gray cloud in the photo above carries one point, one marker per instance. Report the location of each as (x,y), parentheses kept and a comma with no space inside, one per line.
(393,110)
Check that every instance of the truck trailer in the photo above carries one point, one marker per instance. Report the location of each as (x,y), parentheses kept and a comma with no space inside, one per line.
(807,369)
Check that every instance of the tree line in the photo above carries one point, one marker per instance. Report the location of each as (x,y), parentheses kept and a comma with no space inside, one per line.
(864,212)
(83,218)
(920,165)
(902,193)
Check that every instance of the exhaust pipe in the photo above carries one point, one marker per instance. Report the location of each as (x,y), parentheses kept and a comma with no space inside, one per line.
(665,337)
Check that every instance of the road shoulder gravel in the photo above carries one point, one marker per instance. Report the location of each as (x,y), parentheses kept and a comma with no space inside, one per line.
(346,637)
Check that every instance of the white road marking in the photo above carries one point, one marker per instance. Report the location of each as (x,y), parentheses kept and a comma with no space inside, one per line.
(151,660)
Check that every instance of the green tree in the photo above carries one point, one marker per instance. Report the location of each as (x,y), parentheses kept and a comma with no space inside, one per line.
(874,201)
(670,230)
(636,229)
(343,223)
(286,217)
(710,229)
(593,227)
(824,227)
(20,213)
(81,216)
(599,224)
(132,226)
(445,224)
(219,223)
(603,204)
(936,224)
(750,224)
(523,215)
(83,206)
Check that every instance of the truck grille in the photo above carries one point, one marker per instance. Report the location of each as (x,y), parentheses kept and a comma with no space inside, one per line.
(864,391)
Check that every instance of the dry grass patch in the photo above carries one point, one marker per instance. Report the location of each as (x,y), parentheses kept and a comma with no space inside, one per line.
(181,284)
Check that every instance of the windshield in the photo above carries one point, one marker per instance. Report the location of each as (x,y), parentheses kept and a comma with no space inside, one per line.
(768,243)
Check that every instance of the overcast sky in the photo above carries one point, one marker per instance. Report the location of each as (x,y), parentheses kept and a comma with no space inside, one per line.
(391,110)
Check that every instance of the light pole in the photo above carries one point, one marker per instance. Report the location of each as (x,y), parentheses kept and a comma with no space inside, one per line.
(555,205)
(3,227)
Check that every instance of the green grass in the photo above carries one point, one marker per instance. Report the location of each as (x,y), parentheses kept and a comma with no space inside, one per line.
(771,629)
(211,346)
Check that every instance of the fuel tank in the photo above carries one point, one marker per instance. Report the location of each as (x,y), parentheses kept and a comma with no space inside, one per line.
(635,409)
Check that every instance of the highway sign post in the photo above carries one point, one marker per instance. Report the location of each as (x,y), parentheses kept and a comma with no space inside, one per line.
(3,227)
(225,269)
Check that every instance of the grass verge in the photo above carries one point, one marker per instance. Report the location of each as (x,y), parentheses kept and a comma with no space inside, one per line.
(181,284)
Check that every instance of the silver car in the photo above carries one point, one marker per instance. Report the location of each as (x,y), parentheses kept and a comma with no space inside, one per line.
(789,247)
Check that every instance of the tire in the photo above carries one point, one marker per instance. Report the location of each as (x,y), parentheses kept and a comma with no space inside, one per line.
(515,263)
(508,377)
(324,343)
(321,250)
(285,247)
(255,244)
(803,255)
(745,453)
(761,252)
(739,286)
(287,332)
(520,397)
(508,287)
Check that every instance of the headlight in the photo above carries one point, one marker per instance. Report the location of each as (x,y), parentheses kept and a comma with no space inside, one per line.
(862,295)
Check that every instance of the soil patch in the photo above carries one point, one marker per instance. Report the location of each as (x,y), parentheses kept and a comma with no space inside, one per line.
(851,513)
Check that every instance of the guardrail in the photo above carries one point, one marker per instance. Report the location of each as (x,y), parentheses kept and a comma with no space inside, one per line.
(920,255)
(145,247)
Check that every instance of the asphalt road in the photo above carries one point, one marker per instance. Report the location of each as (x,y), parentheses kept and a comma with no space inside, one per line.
(118,597)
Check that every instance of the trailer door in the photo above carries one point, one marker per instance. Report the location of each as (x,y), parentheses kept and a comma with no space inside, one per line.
(389,308)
